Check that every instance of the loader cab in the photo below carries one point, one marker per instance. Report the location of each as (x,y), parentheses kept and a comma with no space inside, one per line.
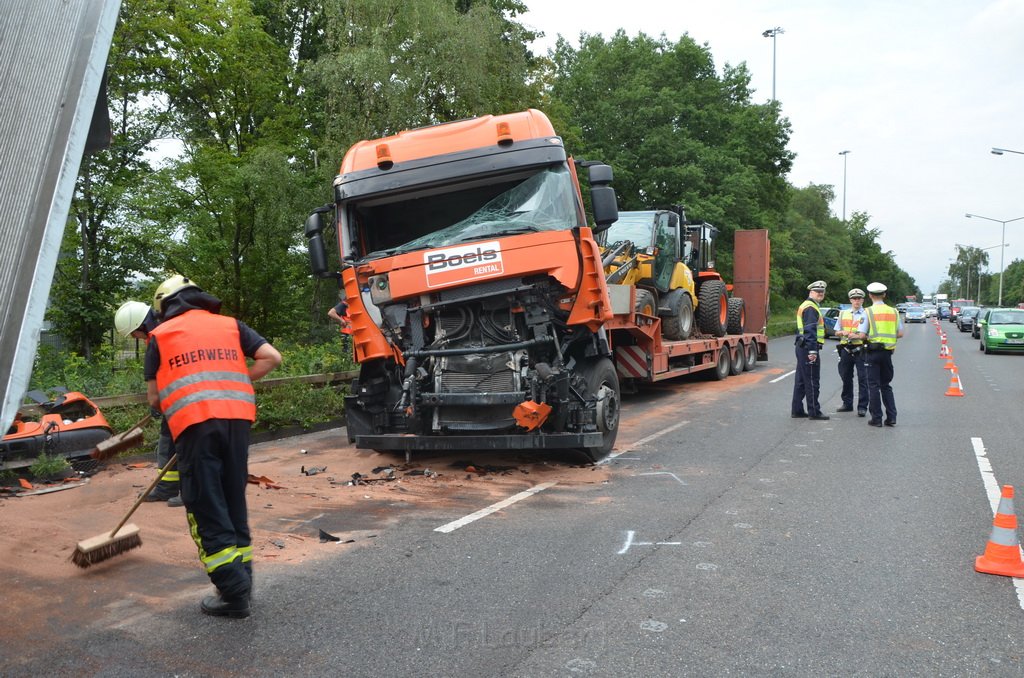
(655,236)
(699,247)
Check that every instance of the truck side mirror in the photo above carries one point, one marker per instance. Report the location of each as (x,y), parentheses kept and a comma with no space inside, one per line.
(317,250)
(602,197)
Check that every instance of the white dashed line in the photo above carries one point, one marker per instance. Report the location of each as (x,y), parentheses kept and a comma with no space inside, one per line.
(642,442)
(493,508)
(782,377)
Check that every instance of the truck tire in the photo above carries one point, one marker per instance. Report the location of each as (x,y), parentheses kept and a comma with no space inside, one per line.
(737,359)
(737,316)
(644,302)
(712,308)
(678,322)
(723,365)
(751,361)
(602,383)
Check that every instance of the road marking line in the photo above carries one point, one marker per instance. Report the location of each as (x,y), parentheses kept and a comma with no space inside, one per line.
(663,473)
(642,442)
(493,508)
(992,489)
(782,377)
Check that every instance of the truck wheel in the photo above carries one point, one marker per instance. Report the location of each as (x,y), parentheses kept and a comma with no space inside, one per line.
(737,359)
(645,303)
(603,386)
(723,366)
(678,322)
(751,361)
(737,316)
(712,308)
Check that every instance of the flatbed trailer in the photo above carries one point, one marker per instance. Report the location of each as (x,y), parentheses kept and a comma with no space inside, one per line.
(642,355)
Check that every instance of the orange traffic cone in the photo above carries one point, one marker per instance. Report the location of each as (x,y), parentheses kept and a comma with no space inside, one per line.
(1002,553)
(950,365)
(955,388)
(943,348)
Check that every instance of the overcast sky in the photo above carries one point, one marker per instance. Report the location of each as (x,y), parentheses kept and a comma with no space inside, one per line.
(918,92)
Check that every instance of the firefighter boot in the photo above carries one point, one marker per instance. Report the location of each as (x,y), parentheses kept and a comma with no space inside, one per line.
(219,606)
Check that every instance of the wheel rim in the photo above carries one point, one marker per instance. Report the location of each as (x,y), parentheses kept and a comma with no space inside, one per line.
(607,409)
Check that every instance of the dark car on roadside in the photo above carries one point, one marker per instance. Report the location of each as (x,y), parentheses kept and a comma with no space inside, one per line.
(831,316)
(966,318)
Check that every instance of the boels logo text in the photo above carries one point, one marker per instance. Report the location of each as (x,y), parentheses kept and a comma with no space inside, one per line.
(459,264)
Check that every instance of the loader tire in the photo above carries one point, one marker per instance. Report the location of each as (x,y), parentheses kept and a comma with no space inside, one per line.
(712,308)
(736,316)
(678,322)
(602,385)
(644,303)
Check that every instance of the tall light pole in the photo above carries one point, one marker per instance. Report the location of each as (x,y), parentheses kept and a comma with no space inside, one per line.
(1004,245)
(1002,253)
(773,33)
(1000,151)
(844,154)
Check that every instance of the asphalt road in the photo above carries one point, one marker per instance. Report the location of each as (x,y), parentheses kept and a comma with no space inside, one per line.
(728,539)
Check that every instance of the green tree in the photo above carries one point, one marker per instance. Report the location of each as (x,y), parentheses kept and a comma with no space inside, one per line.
(674,129)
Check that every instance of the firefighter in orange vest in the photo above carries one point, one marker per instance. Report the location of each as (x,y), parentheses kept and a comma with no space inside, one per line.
(197,375)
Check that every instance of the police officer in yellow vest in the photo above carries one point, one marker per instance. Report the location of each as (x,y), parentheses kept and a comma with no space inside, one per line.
(881,329)
(197,376)
(810,337)
(851,354)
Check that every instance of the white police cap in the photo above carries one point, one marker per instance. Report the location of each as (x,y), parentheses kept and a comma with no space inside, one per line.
(817,286)
(877,288)
(856,293)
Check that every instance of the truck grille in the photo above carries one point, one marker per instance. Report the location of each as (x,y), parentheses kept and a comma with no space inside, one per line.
(468,382)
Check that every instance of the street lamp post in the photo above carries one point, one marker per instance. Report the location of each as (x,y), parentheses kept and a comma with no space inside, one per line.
(773,33)
(1000,151)
(844,154)
(980,250)
(1002,253)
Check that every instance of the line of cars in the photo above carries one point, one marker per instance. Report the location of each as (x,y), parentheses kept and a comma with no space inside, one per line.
(996,329)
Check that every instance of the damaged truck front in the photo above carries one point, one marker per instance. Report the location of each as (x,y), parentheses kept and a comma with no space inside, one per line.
(475,289)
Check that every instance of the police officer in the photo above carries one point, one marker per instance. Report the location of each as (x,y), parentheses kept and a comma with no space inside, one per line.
(851,354)
(196,374)
(881,328)
(136,319)
(810,327)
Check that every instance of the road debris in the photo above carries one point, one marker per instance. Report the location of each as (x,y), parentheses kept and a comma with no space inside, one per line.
(264,482)
(313,470)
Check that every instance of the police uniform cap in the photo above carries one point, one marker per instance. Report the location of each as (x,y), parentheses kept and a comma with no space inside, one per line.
(877,288)
(817,286)
(856,293)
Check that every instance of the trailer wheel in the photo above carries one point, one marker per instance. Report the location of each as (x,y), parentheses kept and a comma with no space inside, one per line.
(712,308)
(751,361)
(644,303)
(678,322)
(737,359)
(724,365)
(737,316)
(603,385)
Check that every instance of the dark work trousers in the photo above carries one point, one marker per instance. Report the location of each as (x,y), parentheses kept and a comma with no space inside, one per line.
(807,383)
(169,485)
(849,364)
(213,457)
(880,373)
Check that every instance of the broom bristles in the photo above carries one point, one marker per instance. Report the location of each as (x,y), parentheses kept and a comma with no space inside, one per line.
(115,444)
(106,546)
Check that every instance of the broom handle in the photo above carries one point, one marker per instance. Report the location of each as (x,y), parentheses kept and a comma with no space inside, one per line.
(142,497)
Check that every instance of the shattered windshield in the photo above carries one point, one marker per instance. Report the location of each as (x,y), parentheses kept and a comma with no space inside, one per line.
(545,201)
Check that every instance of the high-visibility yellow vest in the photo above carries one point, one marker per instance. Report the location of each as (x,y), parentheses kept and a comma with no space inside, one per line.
(847,323)
(800,319)
(883,325)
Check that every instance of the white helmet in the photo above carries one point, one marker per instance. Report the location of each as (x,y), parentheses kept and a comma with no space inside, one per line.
(129,317)
(877,288)
(817,286)
(169,288)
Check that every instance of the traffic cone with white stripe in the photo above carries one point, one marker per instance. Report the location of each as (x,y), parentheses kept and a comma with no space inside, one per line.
(955,387)
(1002,553)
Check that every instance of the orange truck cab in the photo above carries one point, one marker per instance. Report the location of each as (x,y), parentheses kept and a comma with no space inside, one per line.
(475,289)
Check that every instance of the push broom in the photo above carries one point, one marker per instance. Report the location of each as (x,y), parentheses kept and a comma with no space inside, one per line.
(107,545)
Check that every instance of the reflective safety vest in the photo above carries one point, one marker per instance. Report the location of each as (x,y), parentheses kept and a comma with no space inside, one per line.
(202,373)
(883,325)
(800,319)
(847,323)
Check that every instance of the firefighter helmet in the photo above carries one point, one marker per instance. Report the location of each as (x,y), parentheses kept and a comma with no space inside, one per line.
(169,288)
(129,317)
